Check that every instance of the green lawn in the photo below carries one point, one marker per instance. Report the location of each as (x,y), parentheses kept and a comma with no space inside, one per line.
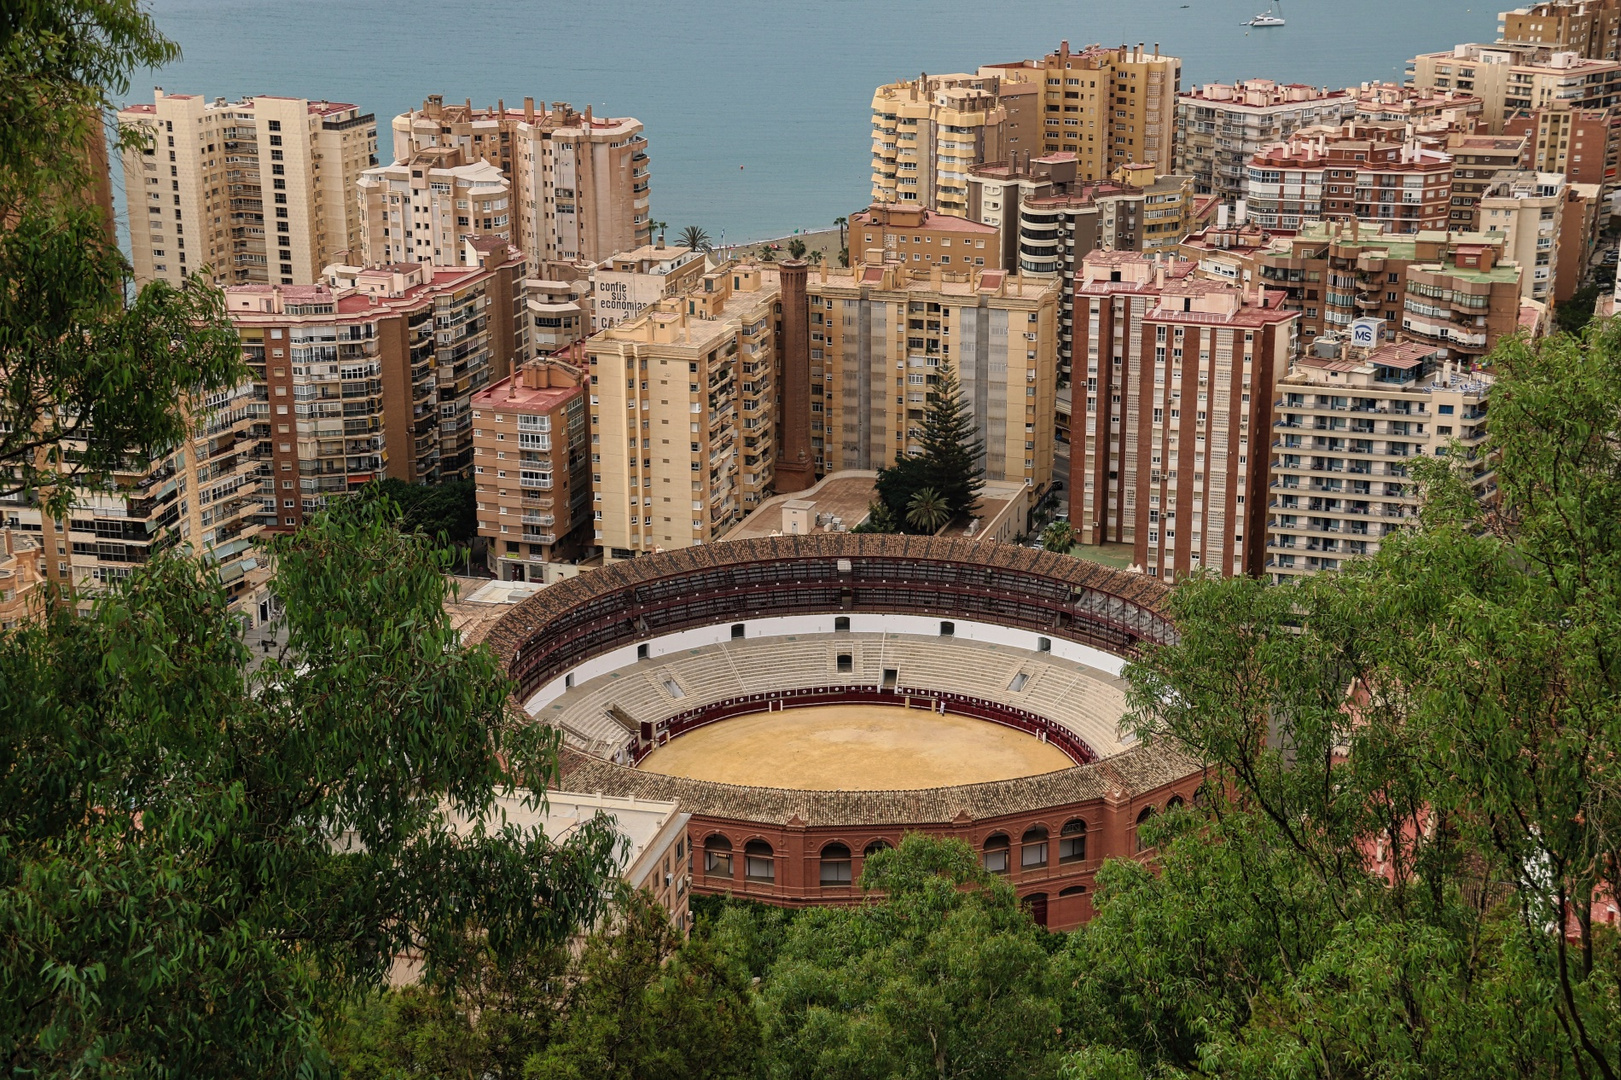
(1115,556)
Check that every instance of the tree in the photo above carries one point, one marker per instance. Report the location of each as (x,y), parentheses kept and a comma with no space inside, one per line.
(951,445)
(695,238)
(1403,879)
(198,864)
(87,382)
(656,228)
(446,511)
(944,976)
(767,254)
(926,511)
(844,256)
(896,484)
(796,248)
(641,1005)
(844,224)
(1058,536)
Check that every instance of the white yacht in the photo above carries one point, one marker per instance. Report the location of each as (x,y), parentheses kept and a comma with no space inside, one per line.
(1266,18)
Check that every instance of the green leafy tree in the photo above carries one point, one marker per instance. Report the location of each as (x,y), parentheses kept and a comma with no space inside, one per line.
(844,256)
(1058,536)
(641,1006)
(197,864)
(695,238)
(767,254)
(1402,881)
(88,382)
(926,511)
(448,510)
(945,976)
(895,486)
(796,248)
(880,519)
(952,446)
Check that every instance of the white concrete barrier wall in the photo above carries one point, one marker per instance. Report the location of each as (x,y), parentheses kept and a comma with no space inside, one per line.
(790,625)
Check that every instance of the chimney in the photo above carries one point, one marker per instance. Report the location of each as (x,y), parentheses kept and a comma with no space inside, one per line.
(501,108)
(1159,275)
(529,110)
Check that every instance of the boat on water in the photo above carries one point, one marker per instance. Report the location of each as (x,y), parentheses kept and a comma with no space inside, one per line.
(1266,18)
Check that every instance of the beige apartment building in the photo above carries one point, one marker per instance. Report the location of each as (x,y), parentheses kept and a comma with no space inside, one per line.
(371,374)
(1512,78)
(579,183)
(1392,103)
(1526,209)
(929,131)
(204,497)
(1348,424)
(683,413)
(425,209)
(532,467)
(559,312)
(1477,161)
(1168,445)
(879,335)
(1220,126)
(257,190)
(22,572)
(1110,106)
(1590,28)
(918,235)
(629,283)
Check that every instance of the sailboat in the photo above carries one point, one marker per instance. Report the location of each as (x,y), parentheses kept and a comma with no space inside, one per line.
(1269,17)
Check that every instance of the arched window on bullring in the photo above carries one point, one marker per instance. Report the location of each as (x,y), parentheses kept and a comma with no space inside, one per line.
(996,853)
(874,848)
(1147,812)
(1072,841)
(1175,803)
(1033,847)
(835,865)
(759,861)
(717,856)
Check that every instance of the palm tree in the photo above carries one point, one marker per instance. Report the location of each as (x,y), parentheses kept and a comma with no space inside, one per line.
(767,255)
(796,248)
(927,510)
(844,256)
(843,223)
(1058,536)
(657,227)
(695,238)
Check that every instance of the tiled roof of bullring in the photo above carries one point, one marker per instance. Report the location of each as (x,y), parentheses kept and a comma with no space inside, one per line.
(1126,775)
(507,635)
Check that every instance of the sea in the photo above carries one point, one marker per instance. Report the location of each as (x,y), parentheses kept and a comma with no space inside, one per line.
(756,111)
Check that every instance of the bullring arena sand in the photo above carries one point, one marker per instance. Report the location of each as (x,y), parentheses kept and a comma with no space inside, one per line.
(854,748)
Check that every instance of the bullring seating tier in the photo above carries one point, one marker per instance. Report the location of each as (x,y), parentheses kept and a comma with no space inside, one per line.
(1085,700)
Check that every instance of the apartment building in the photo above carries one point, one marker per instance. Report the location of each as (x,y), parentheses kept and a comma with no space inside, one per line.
(631,282)
(258,190)
(918,235)
(1589,28)
(22,572)
(1334,273)
(927,132)
(203,496)
(1477,161)
(1109,106)
(1403,187)
(1168,441)
(1392,103)
(683,413)
(881,331)
(369,374)
(532,467)
(1526,209)
(426,208)
(1220,127)
(1348,423)
(559,312)
(1582,144)
(1514,78)
(579,183)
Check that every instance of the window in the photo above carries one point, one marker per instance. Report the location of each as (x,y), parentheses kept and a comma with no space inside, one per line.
(758,861)
(1072,842)
(1175,803)
(1033,847)
(1044,644)
(835,865)
(846,663)
(737,631)
(718,856)
(996,852)
(1148,812)
(874,848)
(641,651)
(948,629)
(841,624)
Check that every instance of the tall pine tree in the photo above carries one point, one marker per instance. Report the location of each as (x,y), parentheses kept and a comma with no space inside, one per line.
(952,447)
